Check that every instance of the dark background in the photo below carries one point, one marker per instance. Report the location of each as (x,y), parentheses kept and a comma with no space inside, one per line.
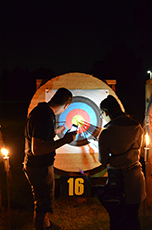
(45,38)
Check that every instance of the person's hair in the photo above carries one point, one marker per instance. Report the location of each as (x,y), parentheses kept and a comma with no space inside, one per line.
(111,106)
(61,97)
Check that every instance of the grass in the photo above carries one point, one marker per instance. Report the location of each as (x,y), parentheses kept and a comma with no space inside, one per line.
(75,213)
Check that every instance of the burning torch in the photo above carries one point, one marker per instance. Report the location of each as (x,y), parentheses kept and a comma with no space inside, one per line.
(6,159)
(7,168)
(147,141)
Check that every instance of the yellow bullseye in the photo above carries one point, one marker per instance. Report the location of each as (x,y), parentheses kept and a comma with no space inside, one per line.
(78,120)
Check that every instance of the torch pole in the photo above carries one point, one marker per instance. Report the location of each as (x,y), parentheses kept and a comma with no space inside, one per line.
(146,160)
(7,167)
(8,199)
(146,156)
(0,195)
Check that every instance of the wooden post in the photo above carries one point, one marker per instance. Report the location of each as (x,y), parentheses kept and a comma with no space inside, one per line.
(112,83)
(38,83)
(1,146)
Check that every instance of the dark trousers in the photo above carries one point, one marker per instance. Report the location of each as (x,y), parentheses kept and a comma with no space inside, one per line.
(42,186)
(128,220)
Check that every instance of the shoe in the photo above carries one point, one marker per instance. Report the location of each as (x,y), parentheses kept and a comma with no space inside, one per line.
(54,226)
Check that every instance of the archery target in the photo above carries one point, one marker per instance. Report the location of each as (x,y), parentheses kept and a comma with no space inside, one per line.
(87,90)
(84,112)
(86,115)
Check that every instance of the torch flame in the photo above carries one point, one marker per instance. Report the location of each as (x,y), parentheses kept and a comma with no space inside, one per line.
(147,139)
(4,152)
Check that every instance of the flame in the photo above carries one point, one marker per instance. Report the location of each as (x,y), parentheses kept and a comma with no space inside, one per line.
(4,152)
(147,139)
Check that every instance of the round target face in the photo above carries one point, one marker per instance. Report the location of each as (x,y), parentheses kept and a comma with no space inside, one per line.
(84,113)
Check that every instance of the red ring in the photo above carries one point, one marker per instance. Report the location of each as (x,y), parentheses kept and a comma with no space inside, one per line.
(81,112)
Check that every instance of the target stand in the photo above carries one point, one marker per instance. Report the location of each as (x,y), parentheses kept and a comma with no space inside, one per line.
(88,92)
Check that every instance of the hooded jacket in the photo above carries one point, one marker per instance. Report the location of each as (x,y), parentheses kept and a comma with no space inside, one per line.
(119,147)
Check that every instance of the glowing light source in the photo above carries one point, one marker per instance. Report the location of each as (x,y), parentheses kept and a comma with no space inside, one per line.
(147,140)
(149,72)
(4,152)
(6,159)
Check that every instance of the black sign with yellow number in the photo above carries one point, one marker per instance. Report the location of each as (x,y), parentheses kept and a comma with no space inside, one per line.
(74,186)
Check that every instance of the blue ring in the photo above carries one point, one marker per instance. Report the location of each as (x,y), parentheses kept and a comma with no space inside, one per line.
(79,102)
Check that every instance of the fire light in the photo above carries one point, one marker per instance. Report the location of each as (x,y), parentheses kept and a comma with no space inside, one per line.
(6,159)
(4,152)
(150,72)
(147,140)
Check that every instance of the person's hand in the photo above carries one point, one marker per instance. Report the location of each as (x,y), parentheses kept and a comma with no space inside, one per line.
(60,129)
(70,136)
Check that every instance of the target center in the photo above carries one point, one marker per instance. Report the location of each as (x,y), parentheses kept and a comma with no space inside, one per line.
(78,120)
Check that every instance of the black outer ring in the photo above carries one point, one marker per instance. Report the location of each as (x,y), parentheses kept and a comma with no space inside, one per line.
(94,130)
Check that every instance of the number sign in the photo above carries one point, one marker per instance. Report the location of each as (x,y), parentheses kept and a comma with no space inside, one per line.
(74,186)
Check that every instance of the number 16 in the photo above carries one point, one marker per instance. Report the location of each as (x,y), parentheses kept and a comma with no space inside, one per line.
(78,188)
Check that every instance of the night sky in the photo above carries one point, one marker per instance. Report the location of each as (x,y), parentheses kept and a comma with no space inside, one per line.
(109,39)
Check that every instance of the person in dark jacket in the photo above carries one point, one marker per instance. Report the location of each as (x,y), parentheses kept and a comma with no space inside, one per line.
(119,148)
(40,154)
